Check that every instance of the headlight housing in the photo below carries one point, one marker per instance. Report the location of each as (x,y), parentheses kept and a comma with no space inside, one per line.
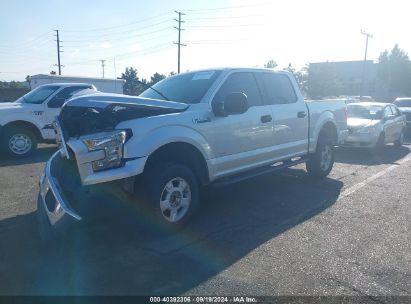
(112,143)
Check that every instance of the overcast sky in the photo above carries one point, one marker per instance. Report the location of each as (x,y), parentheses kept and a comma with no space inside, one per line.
(217,33)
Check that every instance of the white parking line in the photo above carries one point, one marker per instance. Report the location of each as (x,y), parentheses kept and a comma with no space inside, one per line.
(355,187)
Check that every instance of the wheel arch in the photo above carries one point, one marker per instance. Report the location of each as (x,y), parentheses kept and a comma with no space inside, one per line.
(183,153)
(327,128)
(23,124)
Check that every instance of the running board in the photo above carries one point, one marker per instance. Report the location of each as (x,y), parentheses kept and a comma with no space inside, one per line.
(225,181)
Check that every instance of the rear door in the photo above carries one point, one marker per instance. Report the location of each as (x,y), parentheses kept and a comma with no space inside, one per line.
(289,112)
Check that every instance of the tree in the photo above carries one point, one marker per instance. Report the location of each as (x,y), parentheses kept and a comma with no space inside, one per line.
(393,74)
(156,78)
(28,79)
(271,64)
(131,86)
(300,76)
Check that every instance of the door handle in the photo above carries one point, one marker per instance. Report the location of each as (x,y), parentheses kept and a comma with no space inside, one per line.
(301,114)
(266,118)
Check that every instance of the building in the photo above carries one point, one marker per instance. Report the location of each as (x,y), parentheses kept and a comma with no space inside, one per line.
(348,76)
(105,85)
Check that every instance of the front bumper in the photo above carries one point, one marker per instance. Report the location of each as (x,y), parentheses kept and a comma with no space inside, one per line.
(364,140)
(52,198)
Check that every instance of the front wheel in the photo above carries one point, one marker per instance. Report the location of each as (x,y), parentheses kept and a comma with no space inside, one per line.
(173,193)
(322,161)
(18,142)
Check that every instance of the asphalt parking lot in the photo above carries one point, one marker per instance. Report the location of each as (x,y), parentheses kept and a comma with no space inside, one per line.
(278,234)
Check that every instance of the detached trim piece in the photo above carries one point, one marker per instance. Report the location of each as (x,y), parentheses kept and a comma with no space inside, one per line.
(50,183)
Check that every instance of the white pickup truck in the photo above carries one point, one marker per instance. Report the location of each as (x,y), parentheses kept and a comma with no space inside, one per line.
(28,120)
(186,132)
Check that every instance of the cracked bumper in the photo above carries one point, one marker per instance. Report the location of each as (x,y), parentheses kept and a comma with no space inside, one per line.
(52,199)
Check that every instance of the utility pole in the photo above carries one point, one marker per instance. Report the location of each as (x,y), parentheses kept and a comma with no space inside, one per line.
(58,51)
(367,35)
(103,64)
(179,44)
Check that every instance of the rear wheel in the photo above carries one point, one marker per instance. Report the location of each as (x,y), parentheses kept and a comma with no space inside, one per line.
(18,142)
(172,191)
(321,162)
(400,141)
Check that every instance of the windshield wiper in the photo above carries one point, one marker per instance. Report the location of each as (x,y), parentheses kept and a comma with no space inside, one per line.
(155,90)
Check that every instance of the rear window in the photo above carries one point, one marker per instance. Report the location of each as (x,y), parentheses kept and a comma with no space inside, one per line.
(278,88)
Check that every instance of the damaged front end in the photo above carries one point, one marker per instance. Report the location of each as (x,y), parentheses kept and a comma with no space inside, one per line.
(92,149)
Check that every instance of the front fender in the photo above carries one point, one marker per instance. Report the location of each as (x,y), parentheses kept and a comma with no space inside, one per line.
(148,143)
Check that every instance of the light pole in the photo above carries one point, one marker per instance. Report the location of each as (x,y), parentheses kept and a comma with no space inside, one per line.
(367,35)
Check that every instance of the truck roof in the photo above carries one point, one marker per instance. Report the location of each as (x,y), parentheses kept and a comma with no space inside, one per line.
(236,68)
(69,84)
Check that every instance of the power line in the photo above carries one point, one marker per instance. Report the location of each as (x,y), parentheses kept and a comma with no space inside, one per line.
(122,38)
(124,32)
(26,43)
(196,11)
(179,44)
(120,26)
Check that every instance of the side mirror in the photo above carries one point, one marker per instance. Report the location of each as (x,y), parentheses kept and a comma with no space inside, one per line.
(234,103)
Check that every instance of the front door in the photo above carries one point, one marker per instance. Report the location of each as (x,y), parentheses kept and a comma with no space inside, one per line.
(241,140)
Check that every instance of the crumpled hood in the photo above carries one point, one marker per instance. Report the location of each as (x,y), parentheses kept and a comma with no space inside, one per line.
(102,101)
(102,112)
(358,123)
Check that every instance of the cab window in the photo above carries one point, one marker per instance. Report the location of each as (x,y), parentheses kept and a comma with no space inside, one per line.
(243,82)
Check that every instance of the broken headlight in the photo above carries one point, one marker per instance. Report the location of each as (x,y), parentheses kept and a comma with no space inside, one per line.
(112,144)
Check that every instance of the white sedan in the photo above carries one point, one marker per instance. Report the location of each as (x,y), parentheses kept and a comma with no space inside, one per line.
(374,124)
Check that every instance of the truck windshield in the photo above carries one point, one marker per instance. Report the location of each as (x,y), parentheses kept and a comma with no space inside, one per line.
(186,88)
(40,94)
(365,112)
(403,103)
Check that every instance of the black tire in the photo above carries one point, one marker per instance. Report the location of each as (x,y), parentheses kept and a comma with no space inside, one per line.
(28,136)
(317,166)
(155,182)
(43,226)
(400,141)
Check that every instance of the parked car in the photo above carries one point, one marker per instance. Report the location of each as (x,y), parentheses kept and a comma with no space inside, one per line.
(221,126)
(354,99)
(373,124)
(28,120)
(404,105)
